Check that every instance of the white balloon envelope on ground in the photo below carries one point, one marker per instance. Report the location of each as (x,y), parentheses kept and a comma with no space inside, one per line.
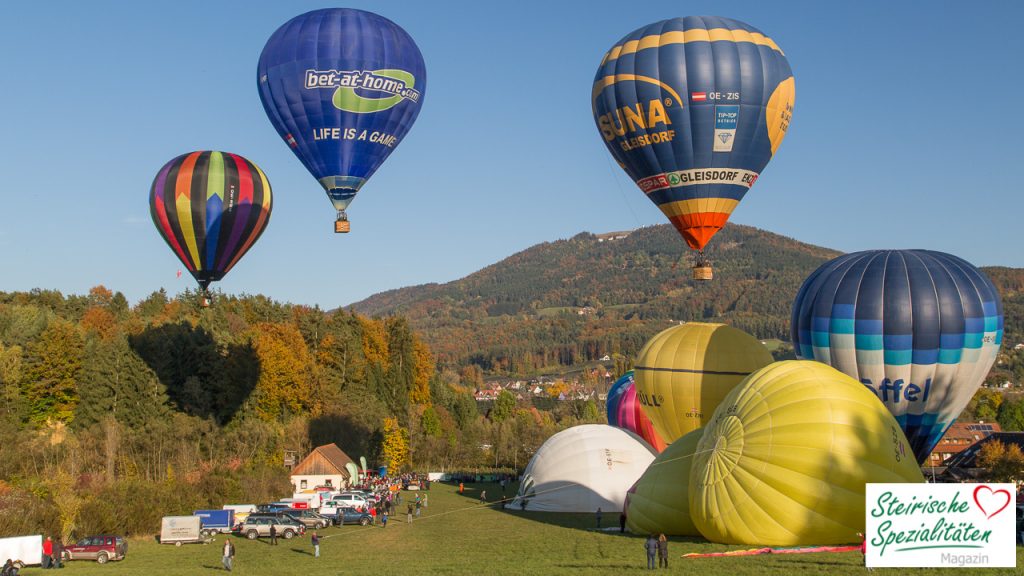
(582,469)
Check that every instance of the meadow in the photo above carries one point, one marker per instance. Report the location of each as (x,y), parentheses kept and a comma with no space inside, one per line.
(457,535)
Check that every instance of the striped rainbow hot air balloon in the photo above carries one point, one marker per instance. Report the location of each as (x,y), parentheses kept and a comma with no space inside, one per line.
(210,207)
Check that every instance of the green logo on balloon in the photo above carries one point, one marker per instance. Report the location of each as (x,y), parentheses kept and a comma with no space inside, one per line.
(397,84)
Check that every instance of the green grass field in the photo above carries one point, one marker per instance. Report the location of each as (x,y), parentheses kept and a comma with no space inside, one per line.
(455,535)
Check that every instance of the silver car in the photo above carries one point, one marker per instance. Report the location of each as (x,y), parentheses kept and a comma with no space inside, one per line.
(259,527)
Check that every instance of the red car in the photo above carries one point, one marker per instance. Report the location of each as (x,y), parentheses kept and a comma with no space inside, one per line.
(98,548)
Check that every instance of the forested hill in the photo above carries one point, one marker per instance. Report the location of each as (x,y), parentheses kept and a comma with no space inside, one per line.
(523,314)
(565,303)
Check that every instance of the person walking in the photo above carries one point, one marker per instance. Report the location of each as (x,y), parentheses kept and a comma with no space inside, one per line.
(651,547)
(483,497)
(598,516)
(58,553)
(273,535)
(662,551)
(228,555)
(315,540)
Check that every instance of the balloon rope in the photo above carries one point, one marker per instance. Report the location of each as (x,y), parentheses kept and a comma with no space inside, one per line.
(618,185)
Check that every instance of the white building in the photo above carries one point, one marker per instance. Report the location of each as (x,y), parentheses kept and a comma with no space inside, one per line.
(324,466)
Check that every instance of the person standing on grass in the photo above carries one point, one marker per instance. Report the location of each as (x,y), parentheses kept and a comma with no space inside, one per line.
(47,560)
(598,516)
(229,555)
(662,551)
(483,497)
(419,504)
(58,553)
(425,496)
(316,544)
(273,535)
(408,513)
(384,519)
(651,547)
(461,487)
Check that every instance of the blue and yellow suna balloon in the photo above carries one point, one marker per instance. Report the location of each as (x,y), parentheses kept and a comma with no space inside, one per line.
(919,328)
(693,109)
(342,87)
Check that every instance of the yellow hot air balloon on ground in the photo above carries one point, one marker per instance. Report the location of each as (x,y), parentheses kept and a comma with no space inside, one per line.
(659,502)
(786,456)
(682,373)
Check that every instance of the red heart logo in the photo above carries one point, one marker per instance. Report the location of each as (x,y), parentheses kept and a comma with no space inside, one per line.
(992,498)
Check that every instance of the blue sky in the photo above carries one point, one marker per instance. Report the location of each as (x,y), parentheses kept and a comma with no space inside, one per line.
(906,134)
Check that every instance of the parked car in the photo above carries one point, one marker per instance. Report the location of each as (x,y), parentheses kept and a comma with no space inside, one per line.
(351,499)
(349,515)
(259,527)
(99,548)
(310,518)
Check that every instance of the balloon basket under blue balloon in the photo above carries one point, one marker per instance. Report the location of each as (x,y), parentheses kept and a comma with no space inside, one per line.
(341,227)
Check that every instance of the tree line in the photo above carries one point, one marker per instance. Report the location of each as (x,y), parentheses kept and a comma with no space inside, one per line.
(115,415)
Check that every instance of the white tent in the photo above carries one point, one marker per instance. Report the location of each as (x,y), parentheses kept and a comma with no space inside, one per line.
(582,469)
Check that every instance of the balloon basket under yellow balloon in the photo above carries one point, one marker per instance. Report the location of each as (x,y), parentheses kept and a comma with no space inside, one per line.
(341,227)
(702,272)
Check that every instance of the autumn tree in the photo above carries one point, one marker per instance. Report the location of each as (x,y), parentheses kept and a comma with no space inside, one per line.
(52,368)
(1004,462)
(423,370)
(283,385)
(395,449)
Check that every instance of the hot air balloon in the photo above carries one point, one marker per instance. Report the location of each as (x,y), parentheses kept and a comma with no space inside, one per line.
(581,469)
(210,207)
(682,373)
(659,502)
(786,457)
(693,109)
(920,329)
(625,411)
(342,87)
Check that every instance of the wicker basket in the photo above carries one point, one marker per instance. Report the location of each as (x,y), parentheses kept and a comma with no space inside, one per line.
(341,226)
(702,272)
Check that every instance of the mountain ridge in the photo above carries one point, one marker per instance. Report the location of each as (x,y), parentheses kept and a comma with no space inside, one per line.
(567,302)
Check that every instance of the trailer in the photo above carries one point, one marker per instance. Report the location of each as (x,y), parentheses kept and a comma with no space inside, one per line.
(23,550)
(180,530)
(216,521)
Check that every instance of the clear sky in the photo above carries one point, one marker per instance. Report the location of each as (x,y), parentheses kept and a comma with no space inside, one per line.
(906,134)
